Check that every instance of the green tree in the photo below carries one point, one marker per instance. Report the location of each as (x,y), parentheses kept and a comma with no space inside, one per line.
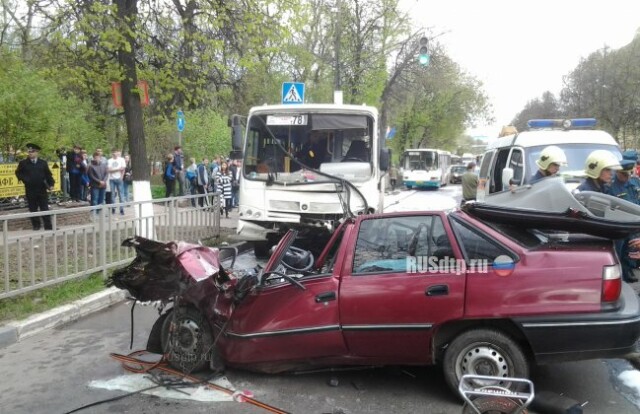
(32,109)
(546,107)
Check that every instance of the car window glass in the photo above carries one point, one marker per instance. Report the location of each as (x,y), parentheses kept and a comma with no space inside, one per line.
(476,246)
(517,165)
(383,243)
(440,245)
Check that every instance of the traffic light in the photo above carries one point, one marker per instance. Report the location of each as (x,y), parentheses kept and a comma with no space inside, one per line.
(424,56)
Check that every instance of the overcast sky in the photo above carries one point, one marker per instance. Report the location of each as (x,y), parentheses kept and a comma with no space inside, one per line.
(519,49)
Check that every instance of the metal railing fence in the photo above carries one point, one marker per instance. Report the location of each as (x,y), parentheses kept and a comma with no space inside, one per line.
(35,259)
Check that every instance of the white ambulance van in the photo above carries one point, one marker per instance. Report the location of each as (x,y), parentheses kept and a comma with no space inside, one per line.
(512,157)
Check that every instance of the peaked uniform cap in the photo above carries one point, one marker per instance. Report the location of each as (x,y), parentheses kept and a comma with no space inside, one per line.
(33,147)
(627,165)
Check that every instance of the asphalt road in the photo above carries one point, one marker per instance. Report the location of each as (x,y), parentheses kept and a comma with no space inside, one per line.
(50,372)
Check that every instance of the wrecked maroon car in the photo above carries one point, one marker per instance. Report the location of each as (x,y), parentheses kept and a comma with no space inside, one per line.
(400,288)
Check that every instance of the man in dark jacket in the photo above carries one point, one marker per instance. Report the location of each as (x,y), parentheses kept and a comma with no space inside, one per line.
(98,177)
(178,167)
(74,168)
(37,179)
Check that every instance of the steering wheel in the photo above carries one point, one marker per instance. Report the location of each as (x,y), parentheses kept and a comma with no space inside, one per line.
(347,159)
(297,259)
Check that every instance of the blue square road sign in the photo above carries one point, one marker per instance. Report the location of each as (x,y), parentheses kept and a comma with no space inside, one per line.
(292,92)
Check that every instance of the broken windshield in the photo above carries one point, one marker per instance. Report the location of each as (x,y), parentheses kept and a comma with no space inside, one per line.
(336,144)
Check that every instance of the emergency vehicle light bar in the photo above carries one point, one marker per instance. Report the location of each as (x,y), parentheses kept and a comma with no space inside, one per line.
(562,123)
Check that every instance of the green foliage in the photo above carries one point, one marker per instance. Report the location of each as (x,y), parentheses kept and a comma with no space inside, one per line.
(32,109)
(546,107)
(439,102)
(206,134)
(604,85)
(212,59)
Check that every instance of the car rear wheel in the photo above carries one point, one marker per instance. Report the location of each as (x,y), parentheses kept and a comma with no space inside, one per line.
(187,341)
(484,352)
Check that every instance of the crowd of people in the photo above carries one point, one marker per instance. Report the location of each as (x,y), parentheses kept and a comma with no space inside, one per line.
(221,176)
(81,187)
(101,180)
(98,180)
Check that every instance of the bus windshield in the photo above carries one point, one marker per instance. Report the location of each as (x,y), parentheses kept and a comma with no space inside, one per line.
(421,160)
(337,144)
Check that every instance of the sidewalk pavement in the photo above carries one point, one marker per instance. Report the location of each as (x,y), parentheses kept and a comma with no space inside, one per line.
(14,331)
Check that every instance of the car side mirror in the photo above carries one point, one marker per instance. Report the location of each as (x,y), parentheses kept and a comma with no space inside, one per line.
(507,176)
(385,157)
(237,131)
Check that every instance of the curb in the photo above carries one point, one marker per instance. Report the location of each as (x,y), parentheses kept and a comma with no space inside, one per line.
(15,331)
(18,330)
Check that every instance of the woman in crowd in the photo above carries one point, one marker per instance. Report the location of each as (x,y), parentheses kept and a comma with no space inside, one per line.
(223,180)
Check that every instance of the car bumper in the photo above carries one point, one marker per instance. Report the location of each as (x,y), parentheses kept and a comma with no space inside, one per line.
(585,336)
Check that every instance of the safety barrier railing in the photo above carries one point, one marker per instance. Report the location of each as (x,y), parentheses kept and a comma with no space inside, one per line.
(35,259)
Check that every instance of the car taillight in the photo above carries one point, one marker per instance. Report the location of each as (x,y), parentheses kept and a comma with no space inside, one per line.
(611,283)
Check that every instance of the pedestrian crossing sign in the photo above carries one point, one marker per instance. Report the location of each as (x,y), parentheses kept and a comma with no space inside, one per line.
(292,92)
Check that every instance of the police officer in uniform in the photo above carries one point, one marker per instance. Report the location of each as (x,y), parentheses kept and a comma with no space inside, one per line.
(549,163)
(599,169)
(37,179)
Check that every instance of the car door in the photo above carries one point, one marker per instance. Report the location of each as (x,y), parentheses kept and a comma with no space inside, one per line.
(284,321)
(399,280)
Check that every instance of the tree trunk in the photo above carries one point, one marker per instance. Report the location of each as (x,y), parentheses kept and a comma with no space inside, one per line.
(127,15)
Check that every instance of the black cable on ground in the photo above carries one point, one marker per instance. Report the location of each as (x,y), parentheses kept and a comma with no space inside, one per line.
(119,397)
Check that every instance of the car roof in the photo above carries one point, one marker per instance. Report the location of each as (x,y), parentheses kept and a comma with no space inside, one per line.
(545,137)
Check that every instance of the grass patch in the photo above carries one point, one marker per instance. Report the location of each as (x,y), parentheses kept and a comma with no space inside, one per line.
(22,306)
(158,191)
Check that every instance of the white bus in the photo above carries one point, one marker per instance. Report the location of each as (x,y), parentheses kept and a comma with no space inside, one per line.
(306,167)
(425,168)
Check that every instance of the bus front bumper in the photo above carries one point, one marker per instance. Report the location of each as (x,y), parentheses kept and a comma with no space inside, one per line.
(422,184)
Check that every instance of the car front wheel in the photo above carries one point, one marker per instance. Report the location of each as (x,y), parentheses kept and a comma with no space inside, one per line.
(187,340)
(484,352)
